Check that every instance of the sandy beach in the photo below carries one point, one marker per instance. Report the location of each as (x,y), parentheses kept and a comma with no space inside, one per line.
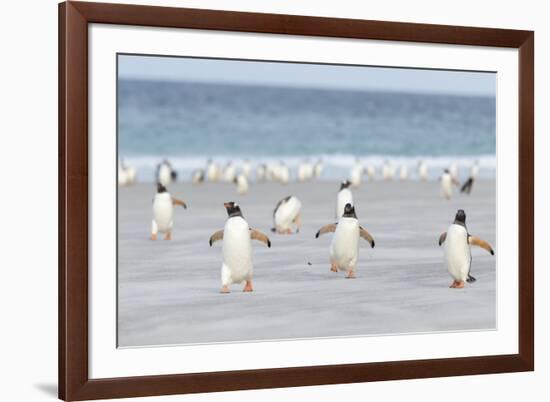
(169,290)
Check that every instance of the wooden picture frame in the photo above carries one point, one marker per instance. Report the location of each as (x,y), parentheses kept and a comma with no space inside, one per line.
(74,381)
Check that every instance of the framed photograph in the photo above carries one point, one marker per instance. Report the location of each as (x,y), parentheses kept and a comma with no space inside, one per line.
(259,200)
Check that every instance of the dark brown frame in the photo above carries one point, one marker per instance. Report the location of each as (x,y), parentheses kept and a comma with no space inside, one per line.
(74,17)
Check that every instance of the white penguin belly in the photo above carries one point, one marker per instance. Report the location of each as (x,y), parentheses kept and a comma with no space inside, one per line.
(237,250)
(286,213)
(344,197)
(165,176)
(344,247)
(163,212)
(457,252)
(446,186)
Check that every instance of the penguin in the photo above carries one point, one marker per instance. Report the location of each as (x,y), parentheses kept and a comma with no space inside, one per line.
(318,168)
(242,183)
(446,185)
(197,176)
(246,169)
(387,171)
(403,172)
(474,170)
(356,174)
(229,173)
(453,170)
(261,172)
(371,172)
(283,174)
(163,212)
(212,171)
(286,214)
(344,247)
(458,255)
(165,174)
(305,171)
(422,170)
(344,197)
(123,179)
(237,248)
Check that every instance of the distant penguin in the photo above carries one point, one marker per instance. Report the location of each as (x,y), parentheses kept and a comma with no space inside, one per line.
(237,248)
(318,169)
(287,214)
(468,184)
(197,176)
(446,184)
(305,171)
(212,171)
(261,172)
(230,172)
(246,169)
(344,197)
(123,179)
(403,172)
(356,174)
(422,171)
(474,170)
(165,173)
(283,174)
(458,255)
(242,184)
(344,247)
(371,172)
(163,213)
(387,171)
(453,170)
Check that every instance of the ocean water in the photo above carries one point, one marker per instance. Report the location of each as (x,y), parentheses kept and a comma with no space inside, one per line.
(189,122)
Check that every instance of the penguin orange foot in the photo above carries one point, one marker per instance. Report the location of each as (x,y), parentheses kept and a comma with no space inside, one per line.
(334,268)
(248,287)
(225,289)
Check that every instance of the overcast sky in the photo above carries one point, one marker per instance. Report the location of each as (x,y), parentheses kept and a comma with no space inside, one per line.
(306,75)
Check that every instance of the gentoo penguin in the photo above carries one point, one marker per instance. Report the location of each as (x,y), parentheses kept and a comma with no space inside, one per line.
(237,248)
(122,175)
(446,186)
(305,171)
(403,172)
(387,171)
(246,169)
(422,171)
(344,197)
(229,173)
(212,171)
(242,183)
(283,174)
(261,172)
(371,172)
(356,175)
(165,173)
(197,176)
(468,184)
(286,214)
(458,255)
(163,213)
(453,170)
(344,247)
(318,168)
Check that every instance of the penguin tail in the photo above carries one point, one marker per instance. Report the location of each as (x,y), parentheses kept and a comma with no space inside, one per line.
(471,279)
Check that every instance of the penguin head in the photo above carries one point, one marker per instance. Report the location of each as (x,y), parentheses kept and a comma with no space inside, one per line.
(232,209)
(446,171)
(345,184)
(460,216)
(349,211)
(161,188)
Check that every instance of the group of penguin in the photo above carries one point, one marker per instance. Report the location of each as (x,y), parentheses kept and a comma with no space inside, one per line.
(237,236)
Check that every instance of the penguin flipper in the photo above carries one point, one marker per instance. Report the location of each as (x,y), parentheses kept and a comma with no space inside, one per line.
(215,237)
(366,235)
(476,241)
(257,235)
(442,238)
(326,229)
(175,201)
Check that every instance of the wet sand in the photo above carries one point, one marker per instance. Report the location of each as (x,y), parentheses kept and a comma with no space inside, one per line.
(169,290)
